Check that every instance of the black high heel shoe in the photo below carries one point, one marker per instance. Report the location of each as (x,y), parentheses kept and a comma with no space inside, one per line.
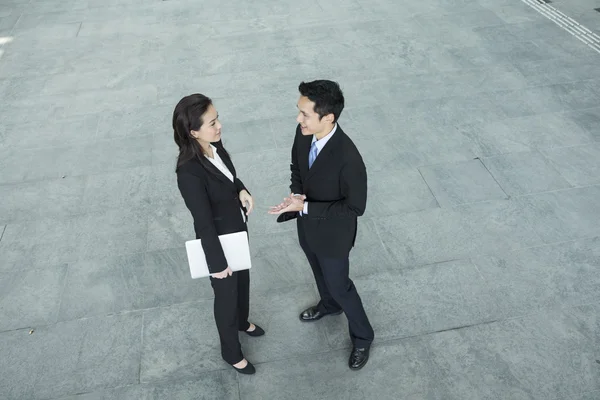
(247,370)
(258,331)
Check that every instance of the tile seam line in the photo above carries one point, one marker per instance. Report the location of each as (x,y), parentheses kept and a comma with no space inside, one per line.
(139,372)
(387,341)
(399,338)
(563,308)
(592,142)
(239,391)
(62,293)
(496,200)
(413,267)
(500,119)
(425,333)
(508,197)
(387,250)
(426,98)
(556,190)
(429,187)
(552,163)
(142,311)
(549,149)
(374,218)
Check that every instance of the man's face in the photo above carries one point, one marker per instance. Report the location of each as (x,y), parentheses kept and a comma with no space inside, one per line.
(309,120)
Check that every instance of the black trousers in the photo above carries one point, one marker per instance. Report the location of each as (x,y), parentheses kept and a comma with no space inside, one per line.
(338,292)
(232,304)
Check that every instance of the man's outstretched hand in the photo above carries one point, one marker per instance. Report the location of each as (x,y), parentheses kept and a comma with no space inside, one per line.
(292,203)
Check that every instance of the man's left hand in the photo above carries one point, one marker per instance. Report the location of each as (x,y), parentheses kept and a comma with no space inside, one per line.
(293,203)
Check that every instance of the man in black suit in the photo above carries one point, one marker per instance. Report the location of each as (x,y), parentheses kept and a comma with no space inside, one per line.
(329,193)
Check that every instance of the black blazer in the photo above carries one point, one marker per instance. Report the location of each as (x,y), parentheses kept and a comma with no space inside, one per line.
(214,203)
(336,191)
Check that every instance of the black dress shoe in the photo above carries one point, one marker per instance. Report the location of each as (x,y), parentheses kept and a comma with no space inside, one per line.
(358,358)
(247,370)
(313,314)
(258,331)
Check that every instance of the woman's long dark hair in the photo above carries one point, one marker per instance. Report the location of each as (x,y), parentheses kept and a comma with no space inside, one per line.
(187,117)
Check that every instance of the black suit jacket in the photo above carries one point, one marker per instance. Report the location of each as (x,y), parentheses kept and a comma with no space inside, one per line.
(336,191)
(214,202)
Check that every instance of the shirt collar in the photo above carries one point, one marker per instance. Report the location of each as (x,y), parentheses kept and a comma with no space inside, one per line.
(214,149)
(323,141)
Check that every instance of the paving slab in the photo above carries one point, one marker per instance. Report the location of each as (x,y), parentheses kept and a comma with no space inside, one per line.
(580,165)
(461,183)
(71,357)
(525,173)
(476,259)
(517,350)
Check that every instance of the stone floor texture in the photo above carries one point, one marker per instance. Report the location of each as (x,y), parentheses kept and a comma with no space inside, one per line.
(478,259)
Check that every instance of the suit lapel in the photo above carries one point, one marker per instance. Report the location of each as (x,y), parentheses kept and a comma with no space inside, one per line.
(324,155)
(227,162)
(303,155)
(217,172)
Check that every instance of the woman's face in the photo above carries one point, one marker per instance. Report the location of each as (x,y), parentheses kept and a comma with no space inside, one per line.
(210,131)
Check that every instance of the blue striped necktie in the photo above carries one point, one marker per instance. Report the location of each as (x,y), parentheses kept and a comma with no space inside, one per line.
(312,155)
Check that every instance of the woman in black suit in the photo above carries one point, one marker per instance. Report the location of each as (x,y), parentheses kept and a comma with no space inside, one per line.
(220,204)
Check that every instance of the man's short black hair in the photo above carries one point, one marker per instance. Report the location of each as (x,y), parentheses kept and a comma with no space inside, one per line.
(326,95)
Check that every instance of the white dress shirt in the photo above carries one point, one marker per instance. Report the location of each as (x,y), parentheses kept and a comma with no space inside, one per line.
(218,162)
(320,143)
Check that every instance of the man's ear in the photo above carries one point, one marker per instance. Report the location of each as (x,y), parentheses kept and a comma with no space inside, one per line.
(329,118)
